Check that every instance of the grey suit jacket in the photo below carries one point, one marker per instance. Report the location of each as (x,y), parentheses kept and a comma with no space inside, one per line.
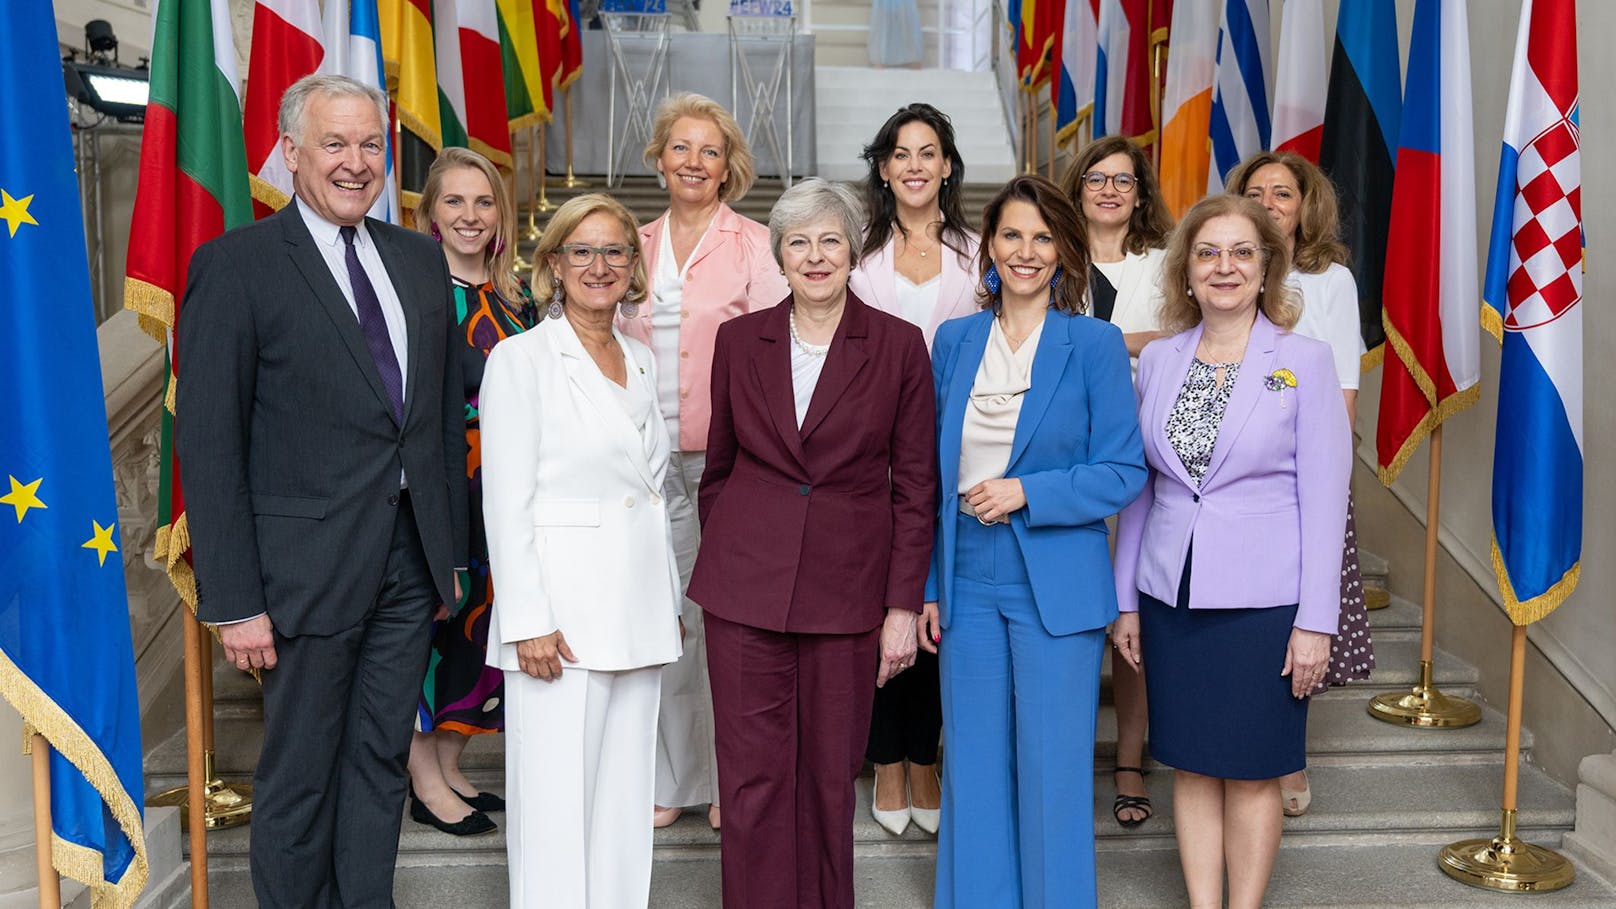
(288,450)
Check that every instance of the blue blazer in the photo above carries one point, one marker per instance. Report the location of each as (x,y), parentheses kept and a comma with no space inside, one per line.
(1076,451)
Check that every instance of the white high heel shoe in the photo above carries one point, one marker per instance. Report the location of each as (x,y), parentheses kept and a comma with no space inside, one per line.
(927,819)
(895,822)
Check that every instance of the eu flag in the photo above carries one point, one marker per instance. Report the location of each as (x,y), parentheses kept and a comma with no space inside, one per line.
(66,659)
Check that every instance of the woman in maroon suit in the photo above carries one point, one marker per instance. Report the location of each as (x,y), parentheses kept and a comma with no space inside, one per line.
(816,506)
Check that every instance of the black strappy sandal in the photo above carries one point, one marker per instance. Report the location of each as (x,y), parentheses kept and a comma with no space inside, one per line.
(1131,802)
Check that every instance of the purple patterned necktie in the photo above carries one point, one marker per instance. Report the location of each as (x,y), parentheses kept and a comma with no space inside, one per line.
(374,326)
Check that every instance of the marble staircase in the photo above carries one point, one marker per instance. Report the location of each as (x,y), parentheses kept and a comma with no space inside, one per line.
(1386,799)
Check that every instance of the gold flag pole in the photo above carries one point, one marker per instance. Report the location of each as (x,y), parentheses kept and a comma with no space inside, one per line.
(1051,168)
(571,182)
(1506,862)
(50,884)
(228,804)
(544,200)
(196,814)
(1156,101)
(520,263)
(535,138)
(1424,706)
(224,804)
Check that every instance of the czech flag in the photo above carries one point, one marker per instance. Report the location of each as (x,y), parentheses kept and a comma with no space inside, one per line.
(1433,364)
(1532,295)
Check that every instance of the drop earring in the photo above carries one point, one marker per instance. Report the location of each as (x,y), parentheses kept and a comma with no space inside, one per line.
(990,278)
(628,308)
(1054,280)
(437,235)
(554,309)
(496,247)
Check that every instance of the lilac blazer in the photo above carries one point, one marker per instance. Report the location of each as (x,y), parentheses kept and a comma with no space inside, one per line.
(875,281)
(1268,517)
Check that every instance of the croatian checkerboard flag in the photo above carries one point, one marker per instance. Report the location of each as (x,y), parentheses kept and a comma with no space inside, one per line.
(1533,297)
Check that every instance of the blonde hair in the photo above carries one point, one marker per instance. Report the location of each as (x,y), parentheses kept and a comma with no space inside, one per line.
(500,256)
(1179,310)
(1318,223)
(737,154)
(566,220)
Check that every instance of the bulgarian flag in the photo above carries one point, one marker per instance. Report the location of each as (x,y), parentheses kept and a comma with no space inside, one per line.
(471,84)
(286,46)
(525,103)
(193,187)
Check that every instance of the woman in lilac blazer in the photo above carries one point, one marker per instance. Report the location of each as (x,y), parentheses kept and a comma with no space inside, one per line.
(1227,565)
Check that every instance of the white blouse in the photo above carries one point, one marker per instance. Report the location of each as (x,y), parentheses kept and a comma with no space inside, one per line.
(667,308)
(916,302)
(1330,314)
(989,429)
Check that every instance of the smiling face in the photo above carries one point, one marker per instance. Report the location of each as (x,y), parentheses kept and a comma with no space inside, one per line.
(694,162)
(1024,252)
(1278,190)
(465,214)
(339,161)
(916,169)
(596,286)
(1106,206)
(816,257)
(1226,266)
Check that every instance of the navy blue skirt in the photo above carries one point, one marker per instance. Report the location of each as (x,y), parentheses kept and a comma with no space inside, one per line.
(1218,705)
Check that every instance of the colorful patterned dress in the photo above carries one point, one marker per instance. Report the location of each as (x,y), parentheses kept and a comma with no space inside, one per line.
(462,694)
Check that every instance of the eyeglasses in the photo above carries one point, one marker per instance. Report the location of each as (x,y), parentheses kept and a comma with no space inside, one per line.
(1123,183)
(1206,255)
(582,255)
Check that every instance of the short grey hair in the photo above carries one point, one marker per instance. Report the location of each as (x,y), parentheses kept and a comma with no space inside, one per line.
(297,98)
(811,200)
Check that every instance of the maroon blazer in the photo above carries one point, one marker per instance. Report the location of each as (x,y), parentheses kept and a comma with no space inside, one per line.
(818,530)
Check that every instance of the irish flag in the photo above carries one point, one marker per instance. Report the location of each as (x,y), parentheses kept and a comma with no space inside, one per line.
(193,187)
(286,46)
(1186,112)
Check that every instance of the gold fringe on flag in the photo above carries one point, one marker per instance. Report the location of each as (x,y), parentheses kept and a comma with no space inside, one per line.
(1529,611)
(267,193)
(154,305)
(42,714)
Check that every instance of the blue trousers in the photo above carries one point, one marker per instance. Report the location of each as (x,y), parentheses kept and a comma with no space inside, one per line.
(1019,709)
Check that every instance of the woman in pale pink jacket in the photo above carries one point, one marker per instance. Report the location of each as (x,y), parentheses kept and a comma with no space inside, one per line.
(707,265)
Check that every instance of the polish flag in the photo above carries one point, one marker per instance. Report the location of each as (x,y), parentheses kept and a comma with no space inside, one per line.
(1299,85)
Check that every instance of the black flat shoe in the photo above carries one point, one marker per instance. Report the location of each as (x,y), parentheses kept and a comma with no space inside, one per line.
(486,802)
(474,824)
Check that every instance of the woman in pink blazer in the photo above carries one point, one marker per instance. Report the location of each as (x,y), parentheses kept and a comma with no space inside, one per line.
(919,264)
(707,265)
(1227,565)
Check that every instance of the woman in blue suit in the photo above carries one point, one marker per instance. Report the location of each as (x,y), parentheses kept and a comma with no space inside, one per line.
(1038,443)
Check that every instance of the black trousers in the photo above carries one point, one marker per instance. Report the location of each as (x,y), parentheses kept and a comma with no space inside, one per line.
(908,717)
(338,713)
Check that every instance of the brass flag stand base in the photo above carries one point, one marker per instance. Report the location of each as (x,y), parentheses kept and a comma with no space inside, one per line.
(1506,863)
(571,182)
(1376,598)
(223,804)
(1424,706)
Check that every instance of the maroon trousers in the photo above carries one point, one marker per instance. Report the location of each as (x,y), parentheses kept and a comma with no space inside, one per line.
(791,716)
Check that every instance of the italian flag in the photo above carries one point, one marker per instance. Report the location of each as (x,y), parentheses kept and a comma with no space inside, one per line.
(286,46)
(471,80)
(193,187)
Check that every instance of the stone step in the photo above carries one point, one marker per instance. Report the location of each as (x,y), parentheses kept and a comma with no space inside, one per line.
(1365,876)
(1350,800)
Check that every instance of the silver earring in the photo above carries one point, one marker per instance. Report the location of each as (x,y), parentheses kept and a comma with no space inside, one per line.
(554,309)
(1190,291)
(629,308)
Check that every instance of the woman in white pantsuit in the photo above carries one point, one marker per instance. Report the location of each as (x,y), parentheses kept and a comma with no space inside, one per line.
(574,458)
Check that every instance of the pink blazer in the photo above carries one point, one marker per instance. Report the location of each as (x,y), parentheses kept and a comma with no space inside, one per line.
(732,272)
(875,281)
(1268,516)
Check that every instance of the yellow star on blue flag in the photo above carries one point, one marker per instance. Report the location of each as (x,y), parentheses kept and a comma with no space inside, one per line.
(101,541)
(15,211)
(66,659)
(23,496)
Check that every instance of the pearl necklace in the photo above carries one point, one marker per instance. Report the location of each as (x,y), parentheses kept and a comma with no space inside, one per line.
(812,350)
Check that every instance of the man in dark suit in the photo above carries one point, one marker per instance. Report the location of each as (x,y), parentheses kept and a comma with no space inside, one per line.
(321,445)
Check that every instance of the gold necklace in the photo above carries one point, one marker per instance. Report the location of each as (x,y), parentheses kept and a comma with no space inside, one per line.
(909,242)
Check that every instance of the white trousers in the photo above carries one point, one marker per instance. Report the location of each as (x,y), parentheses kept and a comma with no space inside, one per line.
(579,767)
(686,763)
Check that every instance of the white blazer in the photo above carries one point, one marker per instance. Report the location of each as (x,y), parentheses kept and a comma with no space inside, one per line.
(875,281)
(578,533)
(1139,293)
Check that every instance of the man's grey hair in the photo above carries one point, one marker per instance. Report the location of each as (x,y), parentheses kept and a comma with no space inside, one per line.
(811,200)
(332,86)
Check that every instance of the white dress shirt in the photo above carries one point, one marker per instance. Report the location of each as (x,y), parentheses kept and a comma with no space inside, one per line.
(328,239)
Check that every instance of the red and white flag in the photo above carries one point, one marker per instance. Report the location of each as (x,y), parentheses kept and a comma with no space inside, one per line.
(286,46)
(1299,86)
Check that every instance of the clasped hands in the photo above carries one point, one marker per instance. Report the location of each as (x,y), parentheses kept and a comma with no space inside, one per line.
(993,500)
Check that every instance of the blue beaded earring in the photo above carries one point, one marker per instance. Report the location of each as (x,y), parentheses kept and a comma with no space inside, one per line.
(1054,280)
(990,278)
